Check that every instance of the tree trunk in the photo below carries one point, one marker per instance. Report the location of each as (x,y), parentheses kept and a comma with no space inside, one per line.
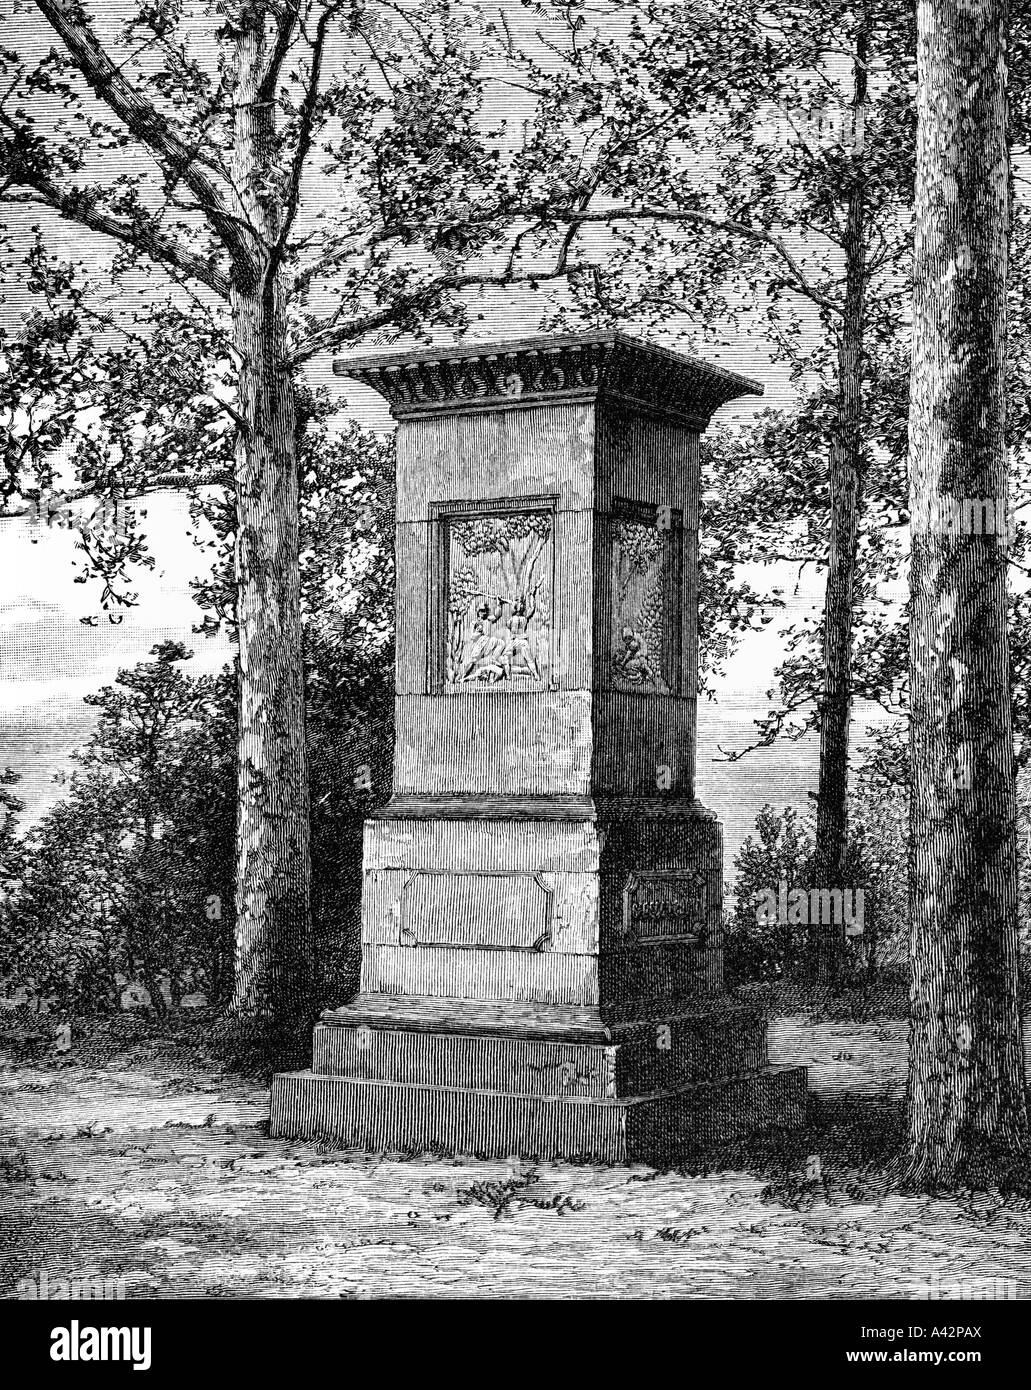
(148,963)
(273,923)
(846,472)
(274,968)
(966,1103)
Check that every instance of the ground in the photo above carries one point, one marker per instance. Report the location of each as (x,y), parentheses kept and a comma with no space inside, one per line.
(157,1171)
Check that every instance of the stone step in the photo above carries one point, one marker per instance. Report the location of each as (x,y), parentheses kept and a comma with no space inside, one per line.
(406,1117)
(485,1017)
(527,1018)
(523,1065)
(643,1059)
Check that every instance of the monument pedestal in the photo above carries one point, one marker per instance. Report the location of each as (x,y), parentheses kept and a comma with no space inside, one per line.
(541,913)
(652,1092)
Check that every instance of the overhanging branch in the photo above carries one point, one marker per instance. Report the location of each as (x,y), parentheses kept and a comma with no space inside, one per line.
(799,281)
(571,219)
(76,206)
(150,126)
(305,132)
(334,333)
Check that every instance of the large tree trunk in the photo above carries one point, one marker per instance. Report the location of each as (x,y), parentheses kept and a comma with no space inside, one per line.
(274,971)
(966,1102)
(845,473)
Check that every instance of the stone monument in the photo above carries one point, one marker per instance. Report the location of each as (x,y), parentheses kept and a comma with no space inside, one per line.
(541,913)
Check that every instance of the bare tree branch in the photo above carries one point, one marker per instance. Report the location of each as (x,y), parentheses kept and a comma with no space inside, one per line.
(150,126)
(286,24)
(77,206)
(573,218)
(333,334)
(304,139)
(799,282)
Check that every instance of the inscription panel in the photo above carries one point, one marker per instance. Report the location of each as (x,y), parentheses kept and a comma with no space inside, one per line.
(665,905)
(485,911)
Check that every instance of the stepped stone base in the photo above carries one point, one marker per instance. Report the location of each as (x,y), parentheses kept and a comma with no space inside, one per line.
(645,1091)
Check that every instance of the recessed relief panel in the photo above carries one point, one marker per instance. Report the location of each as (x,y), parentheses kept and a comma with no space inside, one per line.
(642,579)
(497,587)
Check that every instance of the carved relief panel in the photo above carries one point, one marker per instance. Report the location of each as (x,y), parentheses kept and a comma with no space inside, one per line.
(644,579)
(494,585)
